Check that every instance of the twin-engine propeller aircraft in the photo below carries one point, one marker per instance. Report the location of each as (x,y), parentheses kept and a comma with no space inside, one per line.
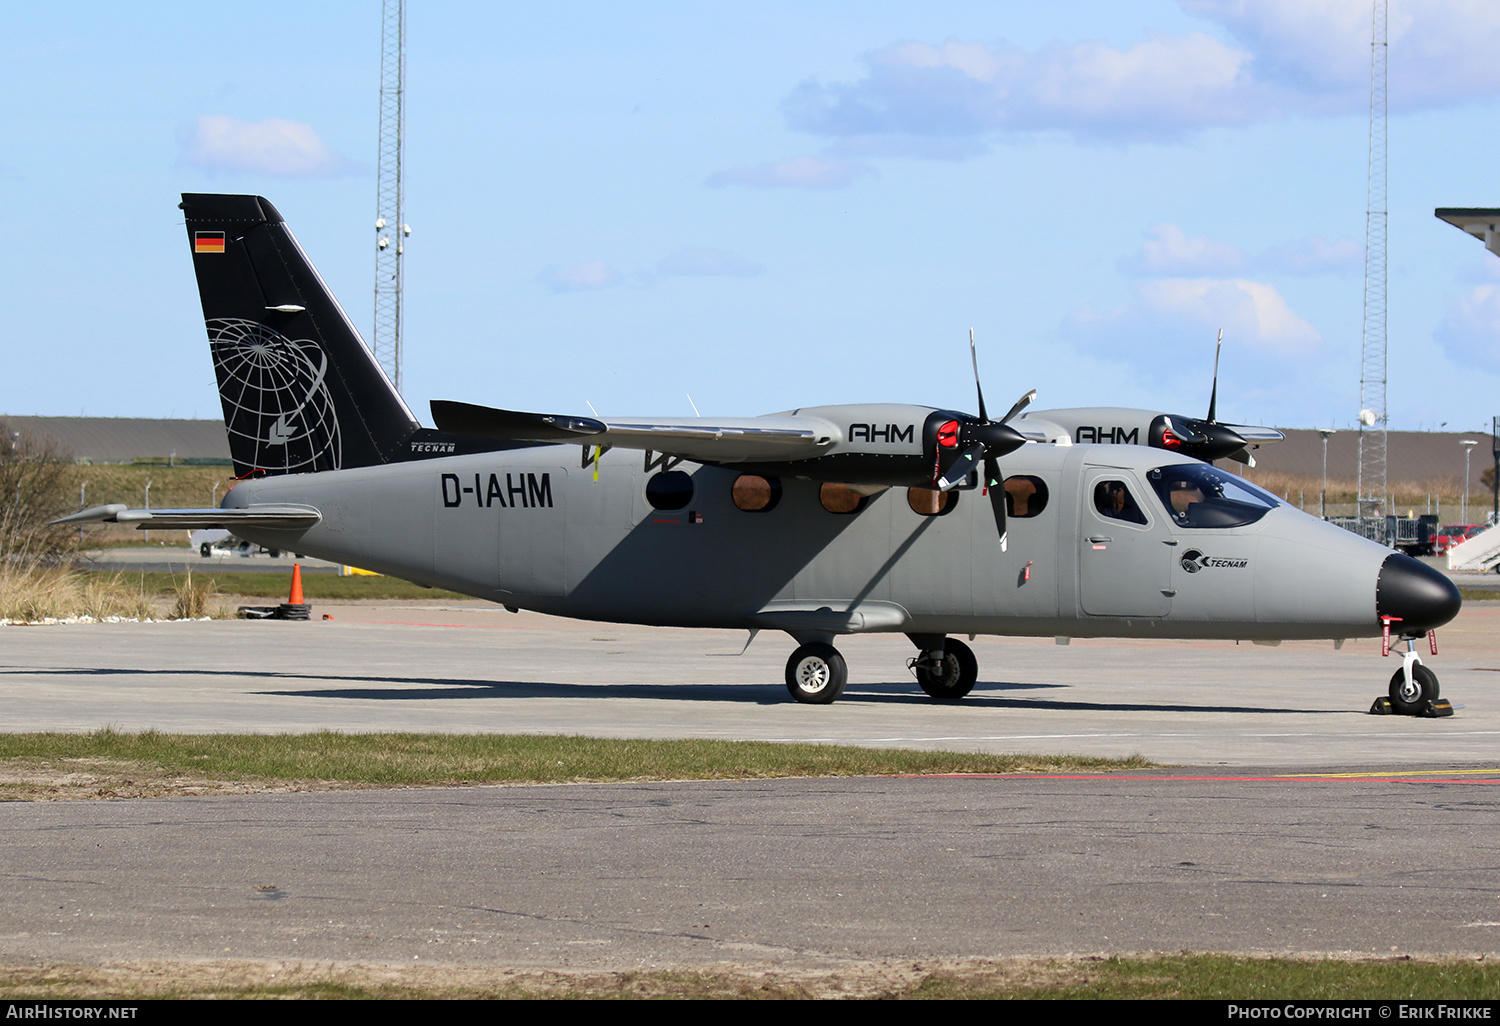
(819,522)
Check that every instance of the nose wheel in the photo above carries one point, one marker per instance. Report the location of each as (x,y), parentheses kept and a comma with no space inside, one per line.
(1413,690)
(1410,697)
(816,674)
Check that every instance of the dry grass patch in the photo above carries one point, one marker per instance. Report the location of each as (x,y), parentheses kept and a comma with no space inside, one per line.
(1184,976)
(35,591)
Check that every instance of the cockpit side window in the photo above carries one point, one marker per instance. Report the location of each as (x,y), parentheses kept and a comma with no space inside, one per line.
(1113,499)
(1197,495)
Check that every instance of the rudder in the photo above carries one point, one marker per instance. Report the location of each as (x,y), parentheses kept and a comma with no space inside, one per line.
(301,391)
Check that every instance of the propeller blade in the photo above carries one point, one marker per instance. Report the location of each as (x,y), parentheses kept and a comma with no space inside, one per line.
(1021,404)
(974,359)
(961,468)
(1213,397)
(996,485)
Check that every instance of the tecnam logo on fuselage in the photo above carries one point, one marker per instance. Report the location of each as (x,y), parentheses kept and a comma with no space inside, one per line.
(1193,561)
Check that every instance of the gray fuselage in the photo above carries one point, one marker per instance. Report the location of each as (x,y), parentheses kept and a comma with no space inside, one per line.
(531,528)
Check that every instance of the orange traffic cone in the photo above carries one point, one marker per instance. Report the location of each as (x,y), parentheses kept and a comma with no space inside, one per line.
(294,608)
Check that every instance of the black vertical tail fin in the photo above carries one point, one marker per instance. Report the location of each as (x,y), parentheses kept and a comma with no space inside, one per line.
(301,390)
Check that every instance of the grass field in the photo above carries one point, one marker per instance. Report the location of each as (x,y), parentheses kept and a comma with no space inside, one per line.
(111,764)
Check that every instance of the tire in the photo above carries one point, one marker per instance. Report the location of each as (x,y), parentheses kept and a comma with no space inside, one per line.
(816,674)
(956,678)
(1424,689)
(274,553)
(205,550)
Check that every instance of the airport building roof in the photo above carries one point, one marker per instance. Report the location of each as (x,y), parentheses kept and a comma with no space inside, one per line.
(125,439)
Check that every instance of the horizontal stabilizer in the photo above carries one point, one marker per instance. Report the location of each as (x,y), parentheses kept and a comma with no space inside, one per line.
(284,516)
(727,440)
(510,425)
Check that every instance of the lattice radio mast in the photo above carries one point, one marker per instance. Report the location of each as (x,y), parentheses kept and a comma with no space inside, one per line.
(1372,378)
(391,229)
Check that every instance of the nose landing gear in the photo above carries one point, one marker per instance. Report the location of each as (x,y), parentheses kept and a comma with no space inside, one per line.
(1414,688)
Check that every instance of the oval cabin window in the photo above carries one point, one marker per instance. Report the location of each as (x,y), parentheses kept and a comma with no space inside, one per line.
(929,502)
(755,494)
(840,498)
(1025,496)
(671,489)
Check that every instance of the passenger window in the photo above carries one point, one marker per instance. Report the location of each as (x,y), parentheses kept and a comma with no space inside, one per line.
(671,489)
(929,502)
(1025,496)
(1112,499)
(840,498)
(755,494)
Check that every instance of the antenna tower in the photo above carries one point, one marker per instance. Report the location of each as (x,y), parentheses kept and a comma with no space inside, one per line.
(1372,378)
(391,229)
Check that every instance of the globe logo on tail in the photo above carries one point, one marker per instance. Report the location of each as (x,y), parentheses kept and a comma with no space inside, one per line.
(277,406)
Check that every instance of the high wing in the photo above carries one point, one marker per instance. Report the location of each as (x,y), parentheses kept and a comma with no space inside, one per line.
(771,439)
(279,515)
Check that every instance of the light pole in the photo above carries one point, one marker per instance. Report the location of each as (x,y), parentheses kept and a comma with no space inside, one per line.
(1323,496)
(1468,444)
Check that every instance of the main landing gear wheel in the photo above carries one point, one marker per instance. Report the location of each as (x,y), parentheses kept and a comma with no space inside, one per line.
(816,674)
(954,677)
(1410,699)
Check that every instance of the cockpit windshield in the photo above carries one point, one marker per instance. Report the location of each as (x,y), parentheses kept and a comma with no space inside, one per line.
(1198,495)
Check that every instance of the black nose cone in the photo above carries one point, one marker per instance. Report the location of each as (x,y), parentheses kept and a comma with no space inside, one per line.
(1421,596)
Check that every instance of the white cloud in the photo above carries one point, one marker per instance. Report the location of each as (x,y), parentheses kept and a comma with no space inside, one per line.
(798,172)
(1441,51)
(700,260)
(1161,88)
(1470,332)
(271,146)
(1168,250)
(1287,57)
(585,276)
(1171,314)
(1253,310)
(1314,255)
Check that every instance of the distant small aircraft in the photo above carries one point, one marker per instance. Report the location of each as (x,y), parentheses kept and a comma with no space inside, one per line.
(819,522)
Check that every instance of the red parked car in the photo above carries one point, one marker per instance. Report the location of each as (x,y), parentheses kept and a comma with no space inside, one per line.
(1450,535)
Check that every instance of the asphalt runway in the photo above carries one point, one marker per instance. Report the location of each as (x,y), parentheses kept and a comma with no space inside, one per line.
(1301,825)
(475,667)
(799,872)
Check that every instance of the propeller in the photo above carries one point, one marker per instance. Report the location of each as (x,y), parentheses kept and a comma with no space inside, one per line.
(1205,439)
(981,440)
(1220,438)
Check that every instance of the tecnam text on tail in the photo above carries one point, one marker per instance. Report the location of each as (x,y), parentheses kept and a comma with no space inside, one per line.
(819,522)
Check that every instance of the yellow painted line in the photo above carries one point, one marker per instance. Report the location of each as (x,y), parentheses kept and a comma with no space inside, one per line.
(1486,771)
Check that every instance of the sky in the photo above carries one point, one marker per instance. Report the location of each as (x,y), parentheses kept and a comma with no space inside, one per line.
(754,207)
